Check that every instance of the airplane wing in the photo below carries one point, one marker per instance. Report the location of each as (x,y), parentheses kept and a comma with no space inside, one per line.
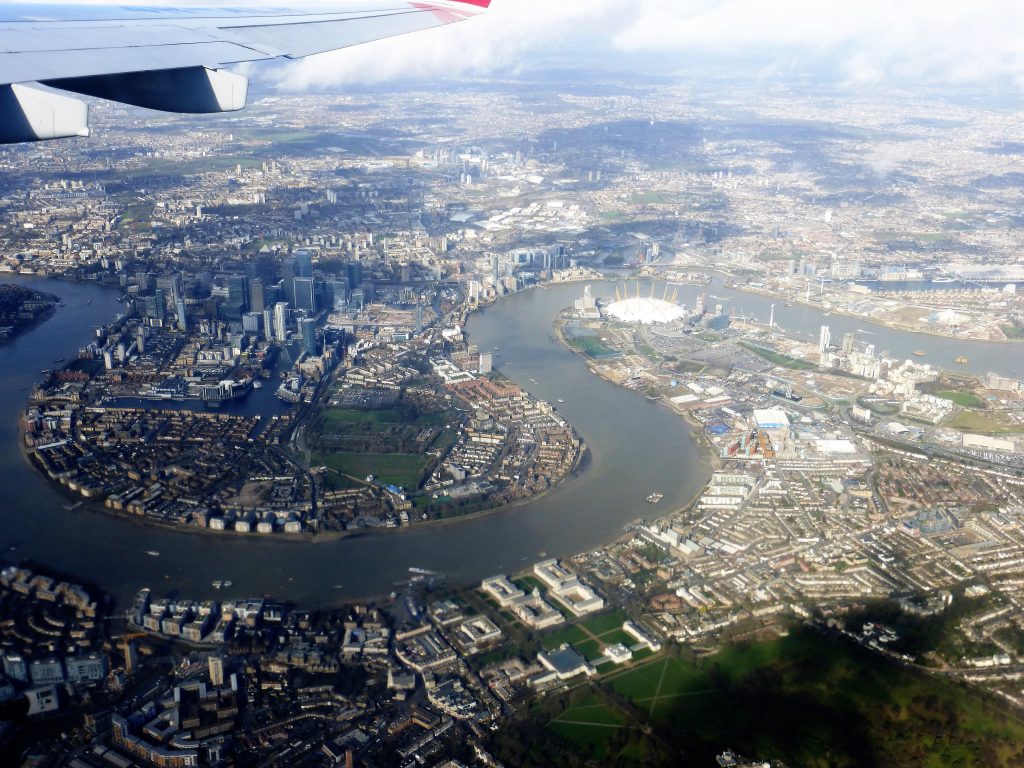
(172,59)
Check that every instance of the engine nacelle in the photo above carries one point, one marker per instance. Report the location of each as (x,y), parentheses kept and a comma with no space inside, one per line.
(34,114)
(190,89)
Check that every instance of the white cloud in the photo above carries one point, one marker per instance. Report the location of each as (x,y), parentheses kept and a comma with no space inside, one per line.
(497,42)
(867,41)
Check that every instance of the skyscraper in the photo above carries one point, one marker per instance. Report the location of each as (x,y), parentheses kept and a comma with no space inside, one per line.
(281,321)
(339,291)
(824,339)
(237,290)
(257,296)
(303,263)
(309,342)
(179,306)
(305,294)
(159,307)
(288,279)
(354,272)
(268,323)
(216,664)
(847,344)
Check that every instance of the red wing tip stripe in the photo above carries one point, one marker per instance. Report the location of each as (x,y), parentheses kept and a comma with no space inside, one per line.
(477,3)
(445,14)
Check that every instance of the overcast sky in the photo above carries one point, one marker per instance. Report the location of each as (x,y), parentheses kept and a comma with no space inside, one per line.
(859,43)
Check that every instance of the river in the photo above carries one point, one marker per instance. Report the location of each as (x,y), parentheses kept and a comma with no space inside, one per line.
(636,448)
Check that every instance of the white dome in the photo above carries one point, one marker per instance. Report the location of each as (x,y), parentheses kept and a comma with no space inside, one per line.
(646,311)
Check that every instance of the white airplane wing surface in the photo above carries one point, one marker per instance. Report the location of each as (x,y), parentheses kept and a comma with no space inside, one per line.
(172,59)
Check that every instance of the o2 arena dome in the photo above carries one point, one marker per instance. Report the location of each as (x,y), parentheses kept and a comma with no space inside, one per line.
(645,310)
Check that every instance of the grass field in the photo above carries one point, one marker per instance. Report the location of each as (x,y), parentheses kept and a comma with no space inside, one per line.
(342,419)
(617,636)
(926,238)
(528,583)
(136,216)
(972,421)
(654,198)
(395,468)
(589,649)
(572,635)
(591,346)
(606,622)
(805,699)
(779,359)
(965,399)
(589,723)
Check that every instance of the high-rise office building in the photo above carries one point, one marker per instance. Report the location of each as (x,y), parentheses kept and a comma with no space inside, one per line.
(237,286)
(305,294)
(339,292)
(288,275)
(309,342)
(354,272)
(281,321)
(257,298)
(824,339)
(179,306)
(303,263)
(251,322)
(157,308)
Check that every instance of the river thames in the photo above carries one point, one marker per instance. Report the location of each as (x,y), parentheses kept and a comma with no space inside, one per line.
(636,447)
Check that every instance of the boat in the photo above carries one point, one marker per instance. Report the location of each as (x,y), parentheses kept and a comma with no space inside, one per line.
(561,400)
(257,385)
(227,583)
(424,572)
(152,553)
(961,360)
(218,584)
(919,353)
(943,279)
(654,498)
